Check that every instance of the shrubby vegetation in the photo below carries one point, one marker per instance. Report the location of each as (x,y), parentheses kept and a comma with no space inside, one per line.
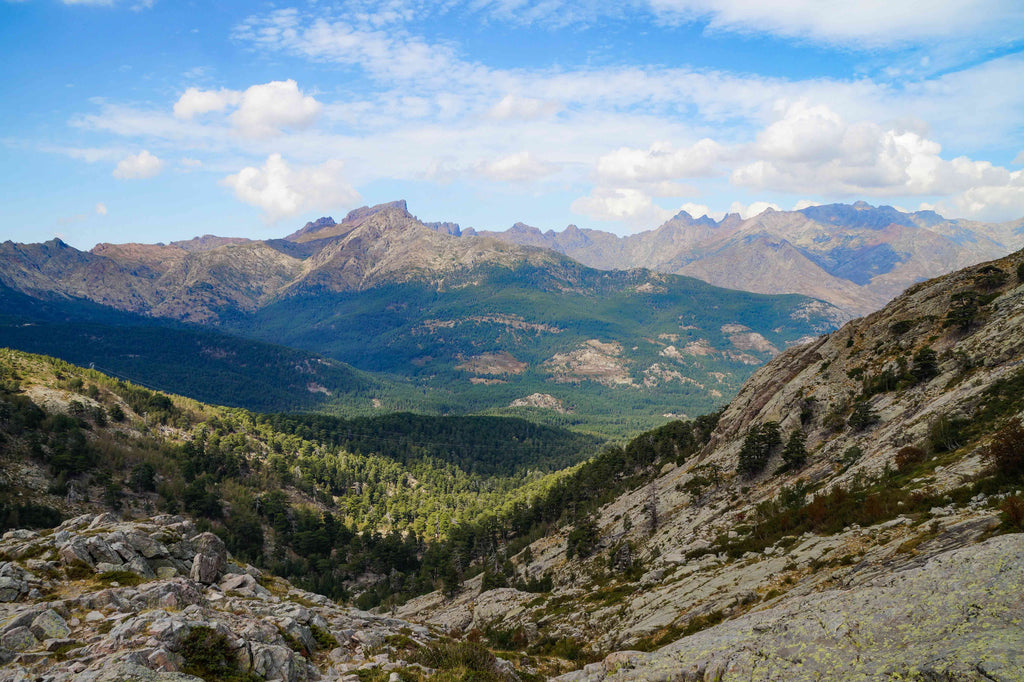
(758,446)
(408,512)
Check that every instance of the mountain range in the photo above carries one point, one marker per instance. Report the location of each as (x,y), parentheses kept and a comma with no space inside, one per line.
(468,323)
(857,257)
(853,513)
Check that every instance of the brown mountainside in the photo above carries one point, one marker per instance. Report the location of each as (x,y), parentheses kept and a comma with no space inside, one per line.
(854,256)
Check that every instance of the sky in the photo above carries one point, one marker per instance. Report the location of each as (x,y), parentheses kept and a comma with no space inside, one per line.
(158,120)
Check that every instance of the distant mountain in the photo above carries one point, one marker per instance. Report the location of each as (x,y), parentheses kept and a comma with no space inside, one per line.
(473,322)
(855,256)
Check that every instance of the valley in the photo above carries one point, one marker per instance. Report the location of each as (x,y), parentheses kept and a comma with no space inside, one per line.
(850,475)
(418,316)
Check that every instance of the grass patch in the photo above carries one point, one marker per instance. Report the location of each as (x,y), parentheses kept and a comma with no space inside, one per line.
(460,661)
(122,578)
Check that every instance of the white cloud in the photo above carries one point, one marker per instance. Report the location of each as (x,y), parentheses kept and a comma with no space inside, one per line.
(138,166)
(629,130)
(696,210)
(812,149)
(805,203)
(195,102)
(989,202)
(187,164)
(868,23)
(265,109)
(621,204)
(523,108)
(260,111)
(754,209)
(659,163)
(518,167)
(281,190)
(101,208)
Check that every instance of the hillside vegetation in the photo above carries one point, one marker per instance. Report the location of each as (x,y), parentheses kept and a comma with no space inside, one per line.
(845,515)
(327,501)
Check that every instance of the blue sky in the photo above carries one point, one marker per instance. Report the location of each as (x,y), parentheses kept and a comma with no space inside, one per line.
(152,120)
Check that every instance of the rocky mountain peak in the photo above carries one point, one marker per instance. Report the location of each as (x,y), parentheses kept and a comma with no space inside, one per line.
(363,212)
(523,228)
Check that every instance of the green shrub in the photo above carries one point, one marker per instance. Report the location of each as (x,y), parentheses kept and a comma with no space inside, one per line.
(990,277)
(946,434)
(208,655)
(474,660)
(758,446)
(324,639)
(124,578)
(863,416)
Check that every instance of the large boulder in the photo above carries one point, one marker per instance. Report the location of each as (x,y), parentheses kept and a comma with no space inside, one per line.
(210,559)
(19,639)
(50,625)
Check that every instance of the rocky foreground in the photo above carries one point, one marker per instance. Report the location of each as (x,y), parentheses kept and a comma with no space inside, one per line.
(958,617)
(101,599)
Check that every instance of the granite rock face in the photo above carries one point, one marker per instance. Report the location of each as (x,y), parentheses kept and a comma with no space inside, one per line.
(955,618)
(84,626)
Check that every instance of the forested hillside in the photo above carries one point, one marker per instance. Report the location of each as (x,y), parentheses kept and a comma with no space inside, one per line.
(434,323)
(364,496)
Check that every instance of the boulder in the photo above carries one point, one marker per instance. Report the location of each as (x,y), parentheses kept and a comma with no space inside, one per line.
(19,639)
(11,589)
(102,552)
(210,558)
(50,625)
(145,545)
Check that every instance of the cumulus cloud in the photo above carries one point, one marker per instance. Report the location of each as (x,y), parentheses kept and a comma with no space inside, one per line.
(696,210)
(621,204)
(754,209)
(260,110)
(281,190)
(195,102)
(138,166)
(101,208)
(660,162)
(518,167)
(989,202)
(811,149)
(265,109)
(523,108)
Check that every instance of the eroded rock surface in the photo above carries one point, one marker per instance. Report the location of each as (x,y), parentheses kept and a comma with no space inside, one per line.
(99,599)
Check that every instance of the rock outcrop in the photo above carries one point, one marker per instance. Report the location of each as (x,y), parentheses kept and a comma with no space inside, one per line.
(954,618)
(98,599)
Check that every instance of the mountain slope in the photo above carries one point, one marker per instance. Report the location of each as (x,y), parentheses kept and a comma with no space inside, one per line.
(860,256)
(873,464)
(474,324)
